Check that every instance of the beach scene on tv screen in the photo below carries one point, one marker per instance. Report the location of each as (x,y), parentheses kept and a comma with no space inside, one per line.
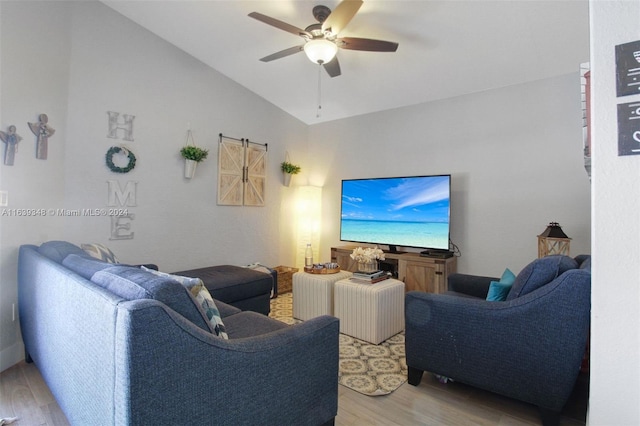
(411,212)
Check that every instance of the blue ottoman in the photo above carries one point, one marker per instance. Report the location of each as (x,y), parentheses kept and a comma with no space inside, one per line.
(243,288)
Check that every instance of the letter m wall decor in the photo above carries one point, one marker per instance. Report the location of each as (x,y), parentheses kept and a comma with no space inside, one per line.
(242,168)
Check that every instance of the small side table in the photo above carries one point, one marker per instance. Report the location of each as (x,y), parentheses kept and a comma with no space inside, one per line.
(313,293)
(370,312)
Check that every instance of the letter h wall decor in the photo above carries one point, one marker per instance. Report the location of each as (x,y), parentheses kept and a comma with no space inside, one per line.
(242,168)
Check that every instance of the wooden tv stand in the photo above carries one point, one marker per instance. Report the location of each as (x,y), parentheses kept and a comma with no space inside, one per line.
(418,273)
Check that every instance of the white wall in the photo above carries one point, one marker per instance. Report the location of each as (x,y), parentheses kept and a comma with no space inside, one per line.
(77,60)
(515,156)
(129,70)
(33,80)
(615,298)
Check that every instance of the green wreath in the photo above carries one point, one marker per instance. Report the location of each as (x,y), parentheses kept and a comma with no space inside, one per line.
(115,150)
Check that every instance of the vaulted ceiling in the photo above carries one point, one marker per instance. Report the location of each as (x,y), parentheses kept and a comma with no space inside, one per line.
(446,48)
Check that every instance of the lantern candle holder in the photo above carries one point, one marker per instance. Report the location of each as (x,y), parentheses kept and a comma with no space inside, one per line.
(553,241)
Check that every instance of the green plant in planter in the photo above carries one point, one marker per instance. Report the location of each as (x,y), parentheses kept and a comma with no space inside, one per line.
(191,152)
(290,168)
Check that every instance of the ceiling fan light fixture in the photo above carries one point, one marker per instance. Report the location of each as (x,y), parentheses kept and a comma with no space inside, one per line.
(320,51)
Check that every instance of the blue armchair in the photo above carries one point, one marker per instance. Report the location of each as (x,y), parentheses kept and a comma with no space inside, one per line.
(528,347)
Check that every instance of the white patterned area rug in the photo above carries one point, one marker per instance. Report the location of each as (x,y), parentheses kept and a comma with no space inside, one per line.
(364,367)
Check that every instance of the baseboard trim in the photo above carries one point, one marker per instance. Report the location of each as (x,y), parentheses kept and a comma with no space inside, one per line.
(11,356)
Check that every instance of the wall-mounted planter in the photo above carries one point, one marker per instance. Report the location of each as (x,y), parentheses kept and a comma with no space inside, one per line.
(189,168)
(288,170)
(192,155)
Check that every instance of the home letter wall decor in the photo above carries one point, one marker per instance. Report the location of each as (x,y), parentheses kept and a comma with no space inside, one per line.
(122,198)
(121,227)
(117,197)
(242,175)
(126,126)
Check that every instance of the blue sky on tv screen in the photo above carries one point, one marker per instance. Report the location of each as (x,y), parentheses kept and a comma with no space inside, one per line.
(412,199)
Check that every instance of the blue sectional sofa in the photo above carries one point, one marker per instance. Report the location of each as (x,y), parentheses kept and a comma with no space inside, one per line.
(118,345)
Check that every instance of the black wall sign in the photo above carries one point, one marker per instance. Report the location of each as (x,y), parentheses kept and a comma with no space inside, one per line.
(628,68)
(629,128)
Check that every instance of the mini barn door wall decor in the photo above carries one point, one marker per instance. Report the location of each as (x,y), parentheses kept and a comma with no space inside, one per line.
(242,168)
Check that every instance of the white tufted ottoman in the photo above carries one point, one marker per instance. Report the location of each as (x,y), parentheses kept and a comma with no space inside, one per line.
(370,312)
(313,293)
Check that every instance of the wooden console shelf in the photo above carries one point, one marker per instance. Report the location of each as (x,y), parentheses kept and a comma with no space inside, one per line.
(418,273)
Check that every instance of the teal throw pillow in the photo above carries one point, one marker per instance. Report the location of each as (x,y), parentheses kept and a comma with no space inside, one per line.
(508,277)
(498,290)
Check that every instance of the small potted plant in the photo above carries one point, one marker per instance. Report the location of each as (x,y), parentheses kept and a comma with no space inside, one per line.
(192,156)
(289,169)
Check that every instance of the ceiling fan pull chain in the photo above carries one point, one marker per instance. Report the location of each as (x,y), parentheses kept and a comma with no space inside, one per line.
(319,91)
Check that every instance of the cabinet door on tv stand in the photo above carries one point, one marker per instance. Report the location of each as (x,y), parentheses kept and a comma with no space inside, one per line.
(423,276)
(343,258)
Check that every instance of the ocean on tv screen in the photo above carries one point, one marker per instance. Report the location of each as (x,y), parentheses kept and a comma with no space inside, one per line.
(405,211)
(407,234)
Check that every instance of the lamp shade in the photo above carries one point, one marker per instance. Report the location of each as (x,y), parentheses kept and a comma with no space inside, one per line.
(320,51)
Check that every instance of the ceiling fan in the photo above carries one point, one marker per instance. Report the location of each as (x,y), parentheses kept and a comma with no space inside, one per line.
(321,40)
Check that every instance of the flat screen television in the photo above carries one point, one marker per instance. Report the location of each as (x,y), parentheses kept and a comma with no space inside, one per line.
(412,211)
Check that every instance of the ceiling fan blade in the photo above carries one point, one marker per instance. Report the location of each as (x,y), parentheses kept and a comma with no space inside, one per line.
(333,67)
(341,16)
(283,53)
(280,25)
(355,43)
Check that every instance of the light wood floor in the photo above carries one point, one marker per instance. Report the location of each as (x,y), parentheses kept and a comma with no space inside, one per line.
(24,394)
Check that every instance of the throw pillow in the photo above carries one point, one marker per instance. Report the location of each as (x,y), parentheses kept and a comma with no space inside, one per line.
(498,290)
(101,252)
(508,277)
(202,297)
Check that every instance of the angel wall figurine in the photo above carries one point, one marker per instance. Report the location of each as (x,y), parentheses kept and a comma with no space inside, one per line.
(11,139)
(42,131)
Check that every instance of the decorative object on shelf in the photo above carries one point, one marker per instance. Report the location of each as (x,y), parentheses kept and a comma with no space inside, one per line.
(367,258)
(242,172)
(368,266)
(11,139)
(323,268)
(124,151)
(289,169)
(192,155)
(42,131)
(553,241)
